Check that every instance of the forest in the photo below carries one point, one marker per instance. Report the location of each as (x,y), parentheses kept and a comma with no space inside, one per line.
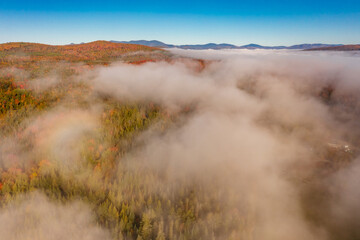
(121,141)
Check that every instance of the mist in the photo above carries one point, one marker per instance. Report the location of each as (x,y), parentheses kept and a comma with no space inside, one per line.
(35,217)
(258,127)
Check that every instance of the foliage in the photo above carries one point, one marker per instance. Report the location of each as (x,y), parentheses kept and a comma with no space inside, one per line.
(126,200)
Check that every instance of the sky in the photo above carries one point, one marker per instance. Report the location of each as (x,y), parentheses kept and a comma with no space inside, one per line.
(239,22)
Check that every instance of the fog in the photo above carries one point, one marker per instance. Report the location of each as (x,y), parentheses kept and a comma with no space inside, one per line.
(258,120)
(258,133)
(35,217)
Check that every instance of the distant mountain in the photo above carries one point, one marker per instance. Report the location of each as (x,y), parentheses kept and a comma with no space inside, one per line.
(152,43)
(155,43)
(355,47)
(208,46)
(314,45)
(257,46)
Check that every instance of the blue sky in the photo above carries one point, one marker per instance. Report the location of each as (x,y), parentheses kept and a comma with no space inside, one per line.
(181,22)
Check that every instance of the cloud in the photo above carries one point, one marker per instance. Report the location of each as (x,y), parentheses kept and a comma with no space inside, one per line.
(258,122)
(33,216)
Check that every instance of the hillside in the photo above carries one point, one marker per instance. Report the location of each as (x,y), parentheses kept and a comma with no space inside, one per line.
(93,52)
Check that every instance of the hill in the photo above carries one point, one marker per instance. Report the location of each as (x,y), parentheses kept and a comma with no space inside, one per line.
(151,43)
(93,52)
(355,47)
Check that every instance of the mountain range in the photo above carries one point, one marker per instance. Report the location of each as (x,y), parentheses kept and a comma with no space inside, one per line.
(155,43)
(355,47)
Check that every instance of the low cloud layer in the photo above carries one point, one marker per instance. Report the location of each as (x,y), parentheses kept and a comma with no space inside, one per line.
(260,124)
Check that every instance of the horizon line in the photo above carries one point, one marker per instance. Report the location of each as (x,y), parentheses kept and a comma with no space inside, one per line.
(186,44)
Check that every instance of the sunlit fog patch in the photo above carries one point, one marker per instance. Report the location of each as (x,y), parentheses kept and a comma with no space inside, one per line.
(34,216)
